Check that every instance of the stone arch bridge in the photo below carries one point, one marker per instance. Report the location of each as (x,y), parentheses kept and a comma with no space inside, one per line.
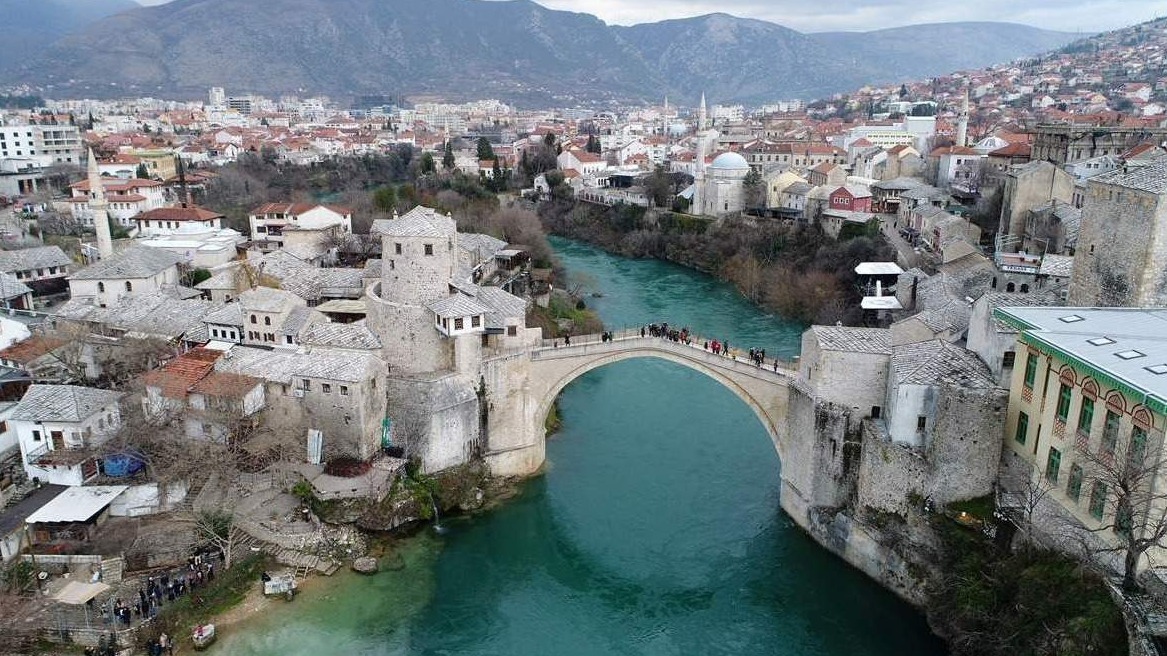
(807,433)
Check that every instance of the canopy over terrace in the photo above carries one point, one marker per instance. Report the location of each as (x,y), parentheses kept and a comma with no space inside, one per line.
(76,593)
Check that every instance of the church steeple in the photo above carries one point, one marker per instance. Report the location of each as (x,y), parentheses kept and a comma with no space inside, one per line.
(98,206)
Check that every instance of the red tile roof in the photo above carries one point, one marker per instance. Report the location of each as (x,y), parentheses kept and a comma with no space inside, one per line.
(178,214)
(31,349)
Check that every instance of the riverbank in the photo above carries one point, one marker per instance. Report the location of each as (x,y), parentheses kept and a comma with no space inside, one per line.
(793,269)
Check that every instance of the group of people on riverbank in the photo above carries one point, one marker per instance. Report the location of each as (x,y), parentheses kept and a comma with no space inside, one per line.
(167,587)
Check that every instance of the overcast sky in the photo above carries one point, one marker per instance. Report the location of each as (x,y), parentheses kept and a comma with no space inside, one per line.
(826,15)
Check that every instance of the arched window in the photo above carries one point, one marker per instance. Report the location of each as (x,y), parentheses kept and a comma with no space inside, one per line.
(129,287)
(1010,287)
(101,287)
(1024,288)
(1115,402)
(1142,418)
(253,319)
(1090,388)
(993,285)
(267,321)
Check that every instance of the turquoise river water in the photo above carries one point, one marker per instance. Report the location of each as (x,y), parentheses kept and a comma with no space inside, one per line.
(655,530)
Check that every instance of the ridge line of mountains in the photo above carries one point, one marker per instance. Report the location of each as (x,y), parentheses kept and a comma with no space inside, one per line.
(517,51)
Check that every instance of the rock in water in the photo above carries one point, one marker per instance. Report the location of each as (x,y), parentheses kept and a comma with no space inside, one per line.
(365,565)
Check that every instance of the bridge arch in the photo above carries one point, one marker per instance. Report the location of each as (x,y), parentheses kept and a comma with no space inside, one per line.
(764,391)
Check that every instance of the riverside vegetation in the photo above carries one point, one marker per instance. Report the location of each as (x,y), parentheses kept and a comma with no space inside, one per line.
(793,269)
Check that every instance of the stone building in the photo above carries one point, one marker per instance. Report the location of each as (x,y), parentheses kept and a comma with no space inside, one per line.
(440,333)
(1121,259)
(1062,144)
(1030,186)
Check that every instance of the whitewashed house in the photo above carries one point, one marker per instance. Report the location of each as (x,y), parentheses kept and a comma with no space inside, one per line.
(58,427)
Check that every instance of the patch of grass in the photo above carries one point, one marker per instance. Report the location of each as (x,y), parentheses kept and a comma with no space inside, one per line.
(980,507)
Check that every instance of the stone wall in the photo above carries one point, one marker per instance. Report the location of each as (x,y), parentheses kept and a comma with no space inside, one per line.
(1121,258)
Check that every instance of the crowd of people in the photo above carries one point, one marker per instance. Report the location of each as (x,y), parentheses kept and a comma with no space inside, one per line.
(757,356)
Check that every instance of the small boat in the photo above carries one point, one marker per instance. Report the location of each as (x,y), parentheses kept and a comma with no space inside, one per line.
(203,635)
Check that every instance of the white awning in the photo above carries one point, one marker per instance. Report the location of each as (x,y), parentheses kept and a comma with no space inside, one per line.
(76,504)
(76,593)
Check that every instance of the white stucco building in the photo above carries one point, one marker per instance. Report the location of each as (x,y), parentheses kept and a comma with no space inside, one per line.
(58,427)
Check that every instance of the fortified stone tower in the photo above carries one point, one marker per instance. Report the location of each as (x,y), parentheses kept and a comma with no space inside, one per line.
(419,256)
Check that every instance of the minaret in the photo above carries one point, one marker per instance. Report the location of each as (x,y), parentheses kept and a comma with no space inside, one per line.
(962,122)
(98,206)
(701,124)
(699,175)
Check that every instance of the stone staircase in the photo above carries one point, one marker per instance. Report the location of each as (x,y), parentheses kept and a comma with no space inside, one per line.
(302,562)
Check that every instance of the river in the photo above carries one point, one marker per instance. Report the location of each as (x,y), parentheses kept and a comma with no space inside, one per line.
(656,529)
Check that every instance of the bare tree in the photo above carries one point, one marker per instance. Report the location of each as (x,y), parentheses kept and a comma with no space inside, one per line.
(1023,490)
(1122,490)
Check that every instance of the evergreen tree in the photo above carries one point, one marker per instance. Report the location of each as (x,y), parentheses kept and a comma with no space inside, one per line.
(142,173)
(427,164)
(448,157)
(485,150)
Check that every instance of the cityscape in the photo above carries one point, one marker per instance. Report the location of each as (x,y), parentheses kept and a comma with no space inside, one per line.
(633,359)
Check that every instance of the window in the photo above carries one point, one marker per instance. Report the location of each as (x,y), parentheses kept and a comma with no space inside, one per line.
(36,436)
(1138,448)
(344,390)
(129,286)
(287,339)
(429,249)
(1074,486)
(512,331)
(1098,499)
(305,384)
(1063,410)
(267,321)
(475,321)
(1110,432)
(207,429)
(1008,358)
(397,249)
(326,388)
(1022,428)
(1030,370)
(1086,416)
(254,319)
(1052,464)
(458,323)
(921,422)
(101,287)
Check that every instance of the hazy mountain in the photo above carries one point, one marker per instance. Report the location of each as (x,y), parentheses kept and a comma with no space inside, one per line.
(29,24)
(516,50)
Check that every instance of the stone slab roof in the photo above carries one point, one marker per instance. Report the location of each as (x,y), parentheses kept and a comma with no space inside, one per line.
(62,403)
(230,314)
(284,367)
(1057,266)
(1047,297)
(153,314)
(266,299)
(457,305)
(133,263)
(33,258)
(1151,177)
(342,335)
(937,362)
(10,287)
(502,305)
(420,221)
(854,340)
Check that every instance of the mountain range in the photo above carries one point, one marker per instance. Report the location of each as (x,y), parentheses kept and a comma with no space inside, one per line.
(459,49)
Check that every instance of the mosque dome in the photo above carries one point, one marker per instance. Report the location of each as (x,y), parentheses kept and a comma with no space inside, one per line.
(729,161)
